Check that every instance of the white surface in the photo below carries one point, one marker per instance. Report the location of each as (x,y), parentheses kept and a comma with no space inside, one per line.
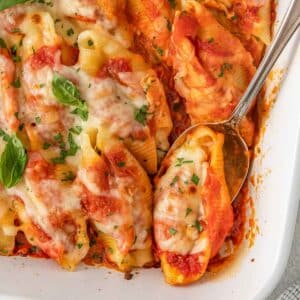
(292,272)
(276,207)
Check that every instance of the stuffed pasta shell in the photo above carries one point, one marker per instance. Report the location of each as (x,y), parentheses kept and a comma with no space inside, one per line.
(192,207)
(212,67)
(117,196)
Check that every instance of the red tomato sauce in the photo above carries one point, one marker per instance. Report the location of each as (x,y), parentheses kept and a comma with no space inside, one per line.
(188,265)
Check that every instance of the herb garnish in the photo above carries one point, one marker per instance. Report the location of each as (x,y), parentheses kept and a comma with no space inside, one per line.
(121,164)
(73,148)
(224,67)
(172,231)
(17,83)
(195,179)
(175,179)
(140,114)
(70,31)
(70,176)
(188,211)
(68,94)
(12,161)
(180,161)
(9,3)
(198,226)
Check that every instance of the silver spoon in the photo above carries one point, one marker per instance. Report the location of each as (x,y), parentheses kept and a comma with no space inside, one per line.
(235,149)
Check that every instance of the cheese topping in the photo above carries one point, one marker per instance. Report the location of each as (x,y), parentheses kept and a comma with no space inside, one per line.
(184,178)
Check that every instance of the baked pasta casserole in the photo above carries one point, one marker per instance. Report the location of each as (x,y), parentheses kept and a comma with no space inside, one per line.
(92,95)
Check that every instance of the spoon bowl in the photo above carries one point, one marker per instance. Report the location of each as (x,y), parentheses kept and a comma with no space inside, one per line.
(236,157)
(235,153)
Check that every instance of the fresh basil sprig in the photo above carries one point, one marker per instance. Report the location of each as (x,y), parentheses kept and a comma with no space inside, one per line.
(9,3)
(12,161)
(68,94)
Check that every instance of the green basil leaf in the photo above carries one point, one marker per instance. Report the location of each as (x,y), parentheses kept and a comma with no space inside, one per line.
(12,162)
(82,111)
(68,94)
(9,3)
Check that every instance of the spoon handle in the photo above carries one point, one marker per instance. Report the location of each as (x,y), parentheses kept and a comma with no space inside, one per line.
(288,27)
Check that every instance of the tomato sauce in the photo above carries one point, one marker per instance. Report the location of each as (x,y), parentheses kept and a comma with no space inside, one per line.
(45,56)
(188,265)
(114,66)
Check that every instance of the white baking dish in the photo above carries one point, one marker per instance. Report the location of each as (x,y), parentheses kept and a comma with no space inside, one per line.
(276,203)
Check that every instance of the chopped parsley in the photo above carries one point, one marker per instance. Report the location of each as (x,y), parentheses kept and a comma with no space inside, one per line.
(15,56)
(172,231)
(198,226)
(169,25)
(234,17)
(70,31)
(70,176)
(180,161)
(175,179)
(224,67)
(159,50)
(16,83)
(38,120)
(188,211)
(121,164)
(79,245)
(210,40)
(195,179)
(64,153)
(140,114)
(46,146)
(90,43)
(58,137)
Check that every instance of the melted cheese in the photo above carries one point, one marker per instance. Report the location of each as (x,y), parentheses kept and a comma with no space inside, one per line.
(172,209)
(112,104)
(40,200)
